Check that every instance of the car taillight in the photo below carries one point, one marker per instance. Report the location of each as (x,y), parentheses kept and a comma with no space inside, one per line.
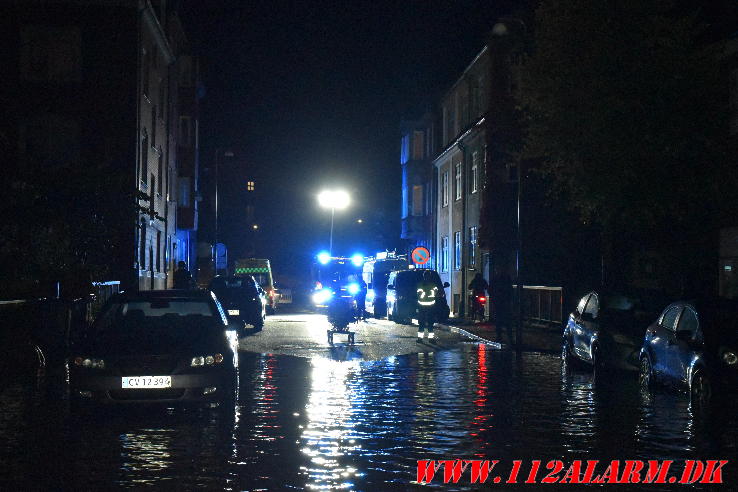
(482,299)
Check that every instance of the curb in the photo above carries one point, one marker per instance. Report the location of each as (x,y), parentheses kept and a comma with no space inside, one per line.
(461,331)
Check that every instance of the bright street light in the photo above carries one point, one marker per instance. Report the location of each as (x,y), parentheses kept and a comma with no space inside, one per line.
(333,199)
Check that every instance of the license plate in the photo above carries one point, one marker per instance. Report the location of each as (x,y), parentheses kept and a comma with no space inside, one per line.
(146,382)
(234,312)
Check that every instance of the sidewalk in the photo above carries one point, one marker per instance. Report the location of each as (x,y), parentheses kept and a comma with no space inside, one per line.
(536,338)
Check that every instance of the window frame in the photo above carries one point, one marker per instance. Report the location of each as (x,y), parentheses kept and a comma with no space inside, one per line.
(457,250)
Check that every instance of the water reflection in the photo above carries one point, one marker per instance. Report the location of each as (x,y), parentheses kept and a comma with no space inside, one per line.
(344,423)
(328,435)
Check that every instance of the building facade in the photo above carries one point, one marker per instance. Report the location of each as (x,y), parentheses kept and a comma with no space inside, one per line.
(93,103)
(419,187)
(459,171)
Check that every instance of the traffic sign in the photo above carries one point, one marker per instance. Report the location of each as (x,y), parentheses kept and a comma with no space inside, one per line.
(420,255)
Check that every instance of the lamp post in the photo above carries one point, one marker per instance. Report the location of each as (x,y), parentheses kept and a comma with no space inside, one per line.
(226,153)
(333,199)
(501,30)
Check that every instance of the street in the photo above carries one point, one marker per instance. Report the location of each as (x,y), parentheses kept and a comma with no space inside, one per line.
(356,418)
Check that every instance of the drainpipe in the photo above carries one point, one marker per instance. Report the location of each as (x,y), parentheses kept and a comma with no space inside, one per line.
(464,211)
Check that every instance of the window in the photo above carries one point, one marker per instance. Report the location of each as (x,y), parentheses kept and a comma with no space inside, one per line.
(144,157)
(444,189)
(249,186)
(161,173)
(152,204)
(418,145)
(474,178)
(417,200)
(688,322)
(158,251)
(593,306)
(472,247)
(457,250)
(582,304)
(444,254)
(457,181)
(670,316)
(50,54)
(183,200)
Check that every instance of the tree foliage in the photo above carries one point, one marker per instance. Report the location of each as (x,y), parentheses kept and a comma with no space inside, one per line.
(627,113)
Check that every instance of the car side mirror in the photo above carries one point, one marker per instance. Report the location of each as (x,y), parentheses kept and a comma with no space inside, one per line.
(446,285)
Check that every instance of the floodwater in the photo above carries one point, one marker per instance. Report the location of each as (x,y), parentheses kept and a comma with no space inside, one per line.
(358,425)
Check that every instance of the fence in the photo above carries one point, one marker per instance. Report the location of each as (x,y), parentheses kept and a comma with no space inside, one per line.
(542,305)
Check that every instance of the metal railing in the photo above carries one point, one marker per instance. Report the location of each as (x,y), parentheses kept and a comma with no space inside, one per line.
(542,304)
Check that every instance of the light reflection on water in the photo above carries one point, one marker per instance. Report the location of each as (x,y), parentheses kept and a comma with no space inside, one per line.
(328,424)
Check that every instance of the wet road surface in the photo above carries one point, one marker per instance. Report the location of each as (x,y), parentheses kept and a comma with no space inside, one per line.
(312,417)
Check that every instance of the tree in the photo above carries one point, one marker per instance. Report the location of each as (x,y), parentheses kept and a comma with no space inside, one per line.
(627,115)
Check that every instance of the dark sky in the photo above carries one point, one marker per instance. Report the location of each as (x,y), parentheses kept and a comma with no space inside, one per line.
(310,94)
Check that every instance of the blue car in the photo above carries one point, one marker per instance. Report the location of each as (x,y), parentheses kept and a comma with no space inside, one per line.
(693,346)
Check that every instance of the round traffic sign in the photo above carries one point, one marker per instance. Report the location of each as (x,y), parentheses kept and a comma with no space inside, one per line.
(420,255)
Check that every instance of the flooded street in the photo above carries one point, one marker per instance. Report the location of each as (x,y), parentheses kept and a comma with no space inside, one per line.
(321,423)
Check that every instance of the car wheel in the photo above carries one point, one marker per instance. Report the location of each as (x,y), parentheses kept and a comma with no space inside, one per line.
(645,374)
(700,391)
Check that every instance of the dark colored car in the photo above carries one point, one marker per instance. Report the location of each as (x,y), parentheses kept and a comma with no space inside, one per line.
(693,345)
(156,346)
(606,329)
(243,300)
(402,300)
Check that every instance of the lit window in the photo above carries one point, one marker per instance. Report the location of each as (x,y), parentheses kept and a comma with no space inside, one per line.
(418,143)
(249,186)
(417,200)
(457,250)
(472,247)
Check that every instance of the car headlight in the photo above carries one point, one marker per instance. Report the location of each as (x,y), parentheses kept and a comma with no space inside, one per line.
(730,358)
(89,363)
(353,289)
(322,296)
(206,360)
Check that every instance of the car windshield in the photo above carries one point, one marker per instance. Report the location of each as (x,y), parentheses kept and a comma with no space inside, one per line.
(155,322)
(243,284)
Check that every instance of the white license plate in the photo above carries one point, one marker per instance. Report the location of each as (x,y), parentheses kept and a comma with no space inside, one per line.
(146,382)
(234,312)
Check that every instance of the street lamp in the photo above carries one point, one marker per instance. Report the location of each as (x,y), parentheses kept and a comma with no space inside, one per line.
(502,30)
(333,199)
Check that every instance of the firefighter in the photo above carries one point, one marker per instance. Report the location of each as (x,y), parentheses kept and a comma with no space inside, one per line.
(427,293)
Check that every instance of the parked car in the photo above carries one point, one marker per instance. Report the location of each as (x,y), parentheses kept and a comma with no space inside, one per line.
(693,345)
(402,298)
(155,346)
(244,301)
(606,329)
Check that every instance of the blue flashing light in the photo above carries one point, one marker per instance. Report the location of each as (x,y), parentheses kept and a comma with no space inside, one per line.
(324,257)
(357,260)
(353,288)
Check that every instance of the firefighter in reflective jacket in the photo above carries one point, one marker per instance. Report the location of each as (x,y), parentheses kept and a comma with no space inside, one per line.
(427,291)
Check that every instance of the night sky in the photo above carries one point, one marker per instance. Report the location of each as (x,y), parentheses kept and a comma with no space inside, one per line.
(311,94)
